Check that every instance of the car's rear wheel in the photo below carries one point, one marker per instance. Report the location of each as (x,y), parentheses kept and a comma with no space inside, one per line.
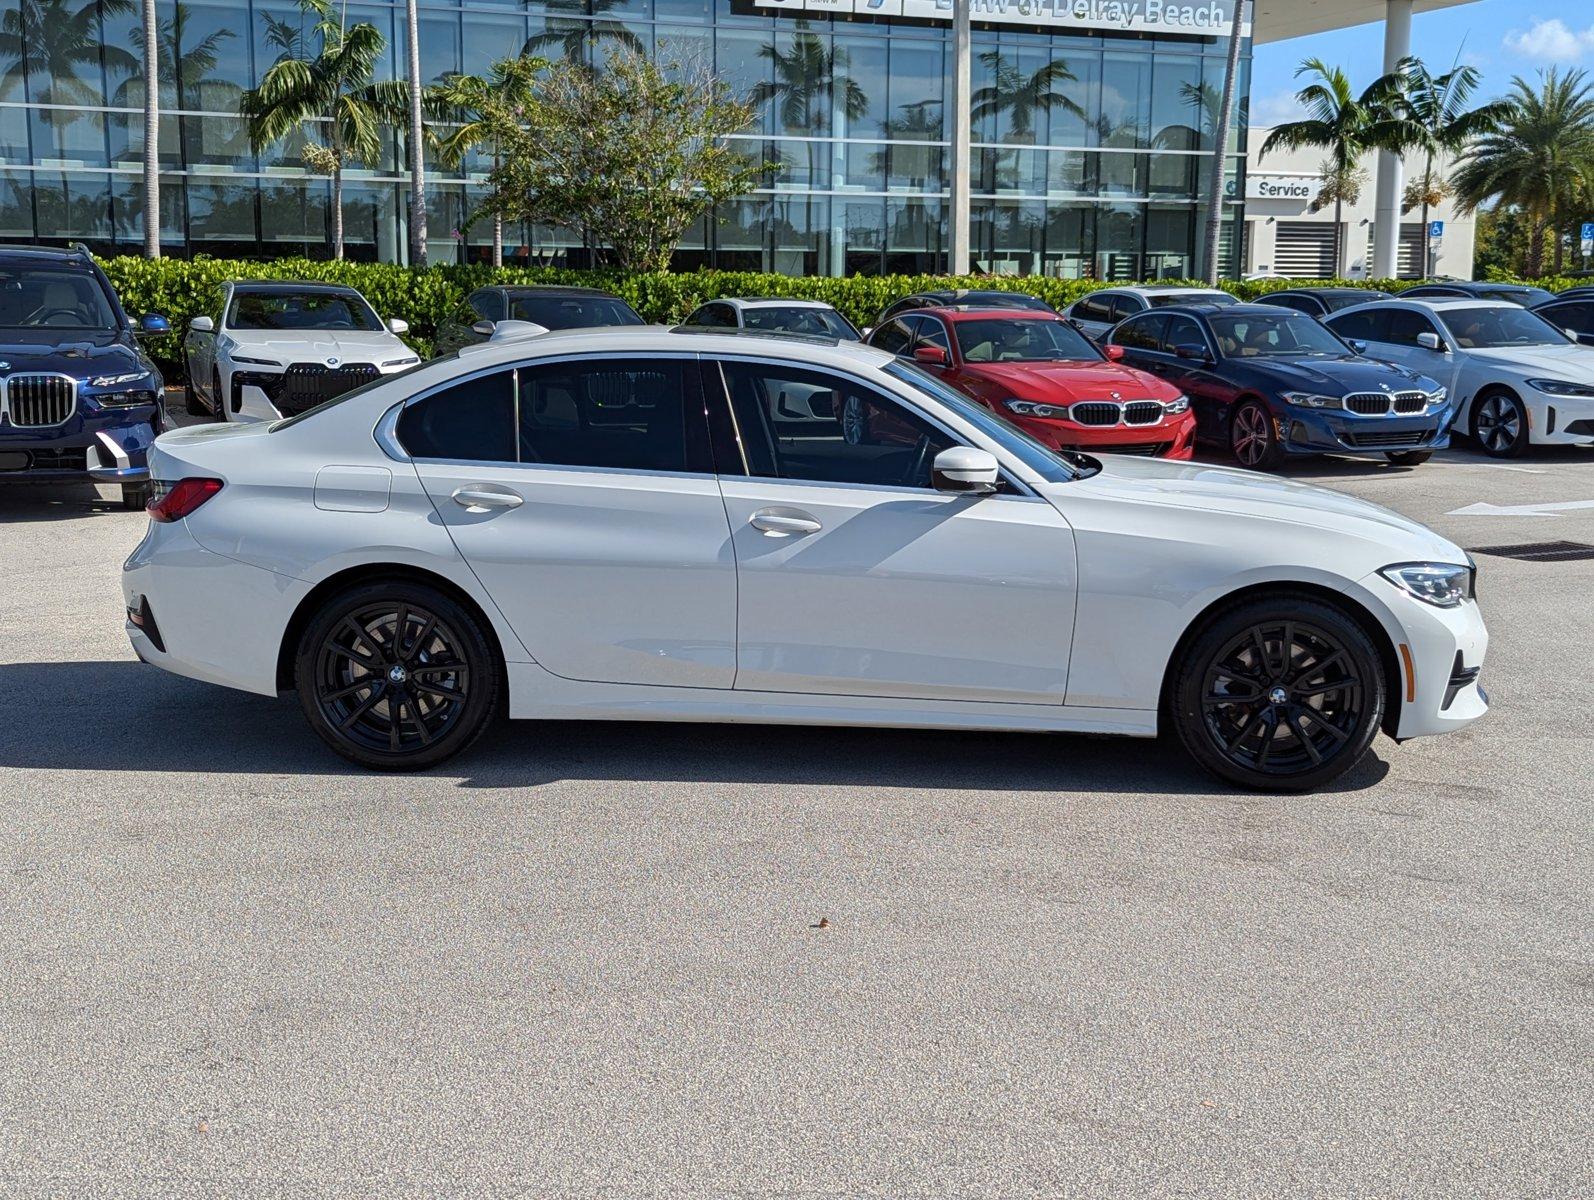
(1253,439)
(1278,694)
(1500,424)
(1409,458)
(396,676)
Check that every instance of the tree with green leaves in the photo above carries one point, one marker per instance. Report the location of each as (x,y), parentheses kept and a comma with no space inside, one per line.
(327,78)
(1023,96)
(485,111)
(1539,157)
(627,157)
(1346,124)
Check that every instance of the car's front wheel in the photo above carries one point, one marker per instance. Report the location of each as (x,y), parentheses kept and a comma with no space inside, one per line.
(1278,693)
(396,676)
(1253,438)
(1500,425)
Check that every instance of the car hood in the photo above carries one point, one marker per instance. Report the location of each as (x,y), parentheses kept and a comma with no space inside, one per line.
(1338,376)
(1071,380)
(75,352)
(320,345)
(1251,496)
(1566,362)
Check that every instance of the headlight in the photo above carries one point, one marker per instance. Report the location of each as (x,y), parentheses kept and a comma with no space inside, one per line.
(1439,396)
(239,359)
(1312,400)
(1174,407)
(1444,585)
(100,381)
(403,362)
(1563,387)
(1033,408)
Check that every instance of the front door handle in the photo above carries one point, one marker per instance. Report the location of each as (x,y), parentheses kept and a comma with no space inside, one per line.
(479,498)
(784,524)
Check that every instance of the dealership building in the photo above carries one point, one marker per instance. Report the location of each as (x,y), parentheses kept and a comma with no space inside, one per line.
(1090,128)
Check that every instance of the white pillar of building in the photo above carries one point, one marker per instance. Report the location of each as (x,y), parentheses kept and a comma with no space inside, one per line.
(959,119)
(1391,185)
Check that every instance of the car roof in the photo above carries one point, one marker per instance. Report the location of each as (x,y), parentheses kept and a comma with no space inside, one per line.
(1195,308)
(1156,289)
(1432,304)
(267,287)
(769,302)
(978,312)
(547,289)
(46,253)
(1375,293)
(643,339)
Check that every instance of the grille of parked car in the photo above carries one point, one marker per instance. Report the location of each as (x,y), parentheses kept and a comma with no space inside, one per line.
(305,385)
(1388,441)
(1410,402)
(1094,412)
(36,401)
(1142,412)
(1376,404)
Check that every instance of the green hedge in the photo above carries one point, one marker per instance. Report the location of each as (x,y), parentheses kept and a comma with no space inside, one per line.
(186,288)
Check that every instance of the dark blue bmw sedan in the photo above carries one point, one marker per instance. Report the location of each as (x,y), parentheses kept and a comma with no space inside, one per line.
(79,398)
(1268,382)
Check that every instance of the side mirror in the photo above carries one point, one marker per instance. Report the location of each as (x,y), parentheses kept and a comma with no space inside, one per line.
(866,331)
(397,325)
(965,469)
(1192,351)
(154,323)
(483,328)
(1113,353)
(932,356)
(1429,341)
(1358,345)
(201,325)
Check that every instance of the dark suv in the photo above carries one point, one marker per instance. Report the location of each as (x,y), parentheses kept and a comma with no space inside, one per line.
(551,307)
(78,398)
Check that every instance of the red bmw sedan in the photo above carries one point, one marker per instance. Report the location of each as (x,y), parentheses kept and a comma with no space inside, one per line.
(1046,377)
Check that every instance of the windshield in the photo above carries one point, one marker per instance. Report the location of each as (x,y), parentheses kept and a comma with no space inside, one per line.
(817,322)
(305,310)
(993,299)
(53,298)
(1338,300)
(1273,335)
(1485,328)
(1192,297)
(1525,296)
(1047,464)
(1010,339)
(572,312)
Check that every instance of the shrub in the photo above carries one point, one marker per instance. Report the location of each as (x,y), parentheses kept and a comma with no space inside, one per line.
(187,288)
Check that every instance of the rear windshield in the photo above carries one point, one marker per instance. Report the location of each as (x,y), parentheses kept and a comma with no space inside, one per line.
(1338,300)
(1192,298)
(335,310)
(816,322)
(572,312)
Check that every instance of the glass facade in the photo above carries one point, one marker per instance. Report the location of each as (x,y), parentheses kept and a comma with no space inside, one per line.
(1089,152)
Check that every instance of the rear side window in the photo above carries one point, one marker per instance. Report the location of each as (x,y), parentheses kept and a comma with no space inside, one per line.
(713,316)
(1126,306)
(609,414)
(1371,325)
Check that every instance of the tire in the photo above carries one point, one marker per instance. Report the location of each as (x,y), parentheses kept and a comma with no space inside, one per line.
(191,401)
(1235,688)
(136,495)
(404,707)
(1500,424)
(1253,438)
(216,397)
(1409,458)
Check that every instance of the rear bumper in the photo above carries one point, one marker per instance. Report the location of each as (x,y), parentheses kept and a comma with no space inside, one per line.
(104,447)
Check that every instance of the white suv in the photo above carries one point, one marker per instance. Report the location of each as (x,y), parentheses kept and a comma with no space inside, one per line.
(1517,380)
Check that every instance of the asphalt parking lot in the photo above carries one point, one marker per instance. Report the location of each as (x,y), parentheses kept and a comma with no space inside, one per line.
(674,960)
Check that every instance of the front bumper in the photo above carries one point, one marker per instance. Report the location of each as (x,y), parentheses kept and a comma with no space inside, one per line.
(1562,421)
(105,445)
(1306,431)
(1172,437)
(1439,656)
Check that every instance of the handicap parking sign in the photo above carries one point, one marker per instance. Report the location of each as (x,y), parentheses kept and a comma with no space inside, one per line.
(1436,229)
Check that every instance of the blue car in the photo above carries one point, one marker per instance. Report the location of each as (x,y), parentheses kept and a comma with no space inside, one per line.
(1268,382)
(79,399)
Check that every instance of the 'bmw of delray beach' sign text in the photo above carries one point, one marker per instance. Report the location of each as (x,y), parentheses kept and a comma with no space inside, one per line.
(1207,18)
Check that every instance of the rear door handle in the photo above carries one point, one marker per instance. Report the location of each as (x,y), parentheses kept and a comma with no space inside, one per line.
(784,524)
(481,497)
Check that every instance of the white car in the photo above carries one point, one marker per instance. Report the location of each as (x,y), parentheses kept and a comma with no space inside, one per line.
(1517,379)
(624,524)
(1096,313)
(814,318)
(276,349)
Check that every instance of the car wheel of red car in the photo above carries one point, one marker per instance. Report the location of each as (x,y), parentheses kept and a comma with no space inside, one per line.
(1253,439)
(854,421)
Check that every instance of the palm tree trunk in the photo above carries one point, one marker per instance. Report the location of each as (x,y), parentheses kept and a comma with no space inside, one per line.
(337,211)
(1535,263)
(1220,151)
(1339,238)
(152,109)
(498,219)
(417,153)
(1427,245)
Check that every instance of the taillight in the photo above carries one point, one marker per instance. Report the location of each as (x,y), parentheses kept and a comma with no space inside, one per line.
(174,501)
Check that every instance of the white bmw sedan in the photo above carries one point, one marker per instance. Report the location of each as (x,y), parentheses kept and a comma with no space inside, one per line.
(632,524)
(274,349)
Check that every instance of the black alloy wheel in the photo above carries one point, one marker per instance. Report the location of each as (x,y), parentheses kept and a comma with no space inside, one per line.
(396,676)
(1253,438)
(1500,425)
(1279,694)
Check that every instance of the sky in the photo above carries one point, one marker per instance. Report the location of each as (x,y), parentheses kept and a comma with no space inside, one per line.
(1501,38)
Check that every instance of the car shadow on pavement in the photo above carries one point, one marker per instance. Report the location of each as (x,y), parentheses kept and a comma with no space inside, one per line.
(126,716)
(29,503)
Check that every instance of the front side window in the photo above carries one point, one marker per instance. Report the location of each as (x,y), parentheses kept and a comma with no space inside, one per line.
(302,310)
(571,312)
(1093,308)
(1369,325)
(1139,333)
(1182,331)
(712,316)
(930,332)
(822,428)
(1489,328)
(893,337)
(1126,305)
(1281,335)
(1405,325)
(1012,339)
(485,305)
(53,298)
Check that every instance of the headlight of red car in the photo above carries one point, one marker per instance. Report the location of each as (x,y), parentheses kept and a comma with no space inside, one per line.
(1034,408)
(1174,407)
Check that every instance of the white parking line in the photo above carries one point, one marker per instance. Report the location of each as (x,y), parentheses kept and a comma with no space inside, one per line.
(1549,508)
(1506,467)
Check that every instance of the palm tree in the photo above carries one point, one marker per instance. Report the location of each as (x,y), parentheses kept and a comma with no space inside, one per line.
(1023,97)
(571,33)
(416,141)
(1436,120)
(487,109)
(152,130)
(1345,124)
(1539,157)
(334,87)
(810,84)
